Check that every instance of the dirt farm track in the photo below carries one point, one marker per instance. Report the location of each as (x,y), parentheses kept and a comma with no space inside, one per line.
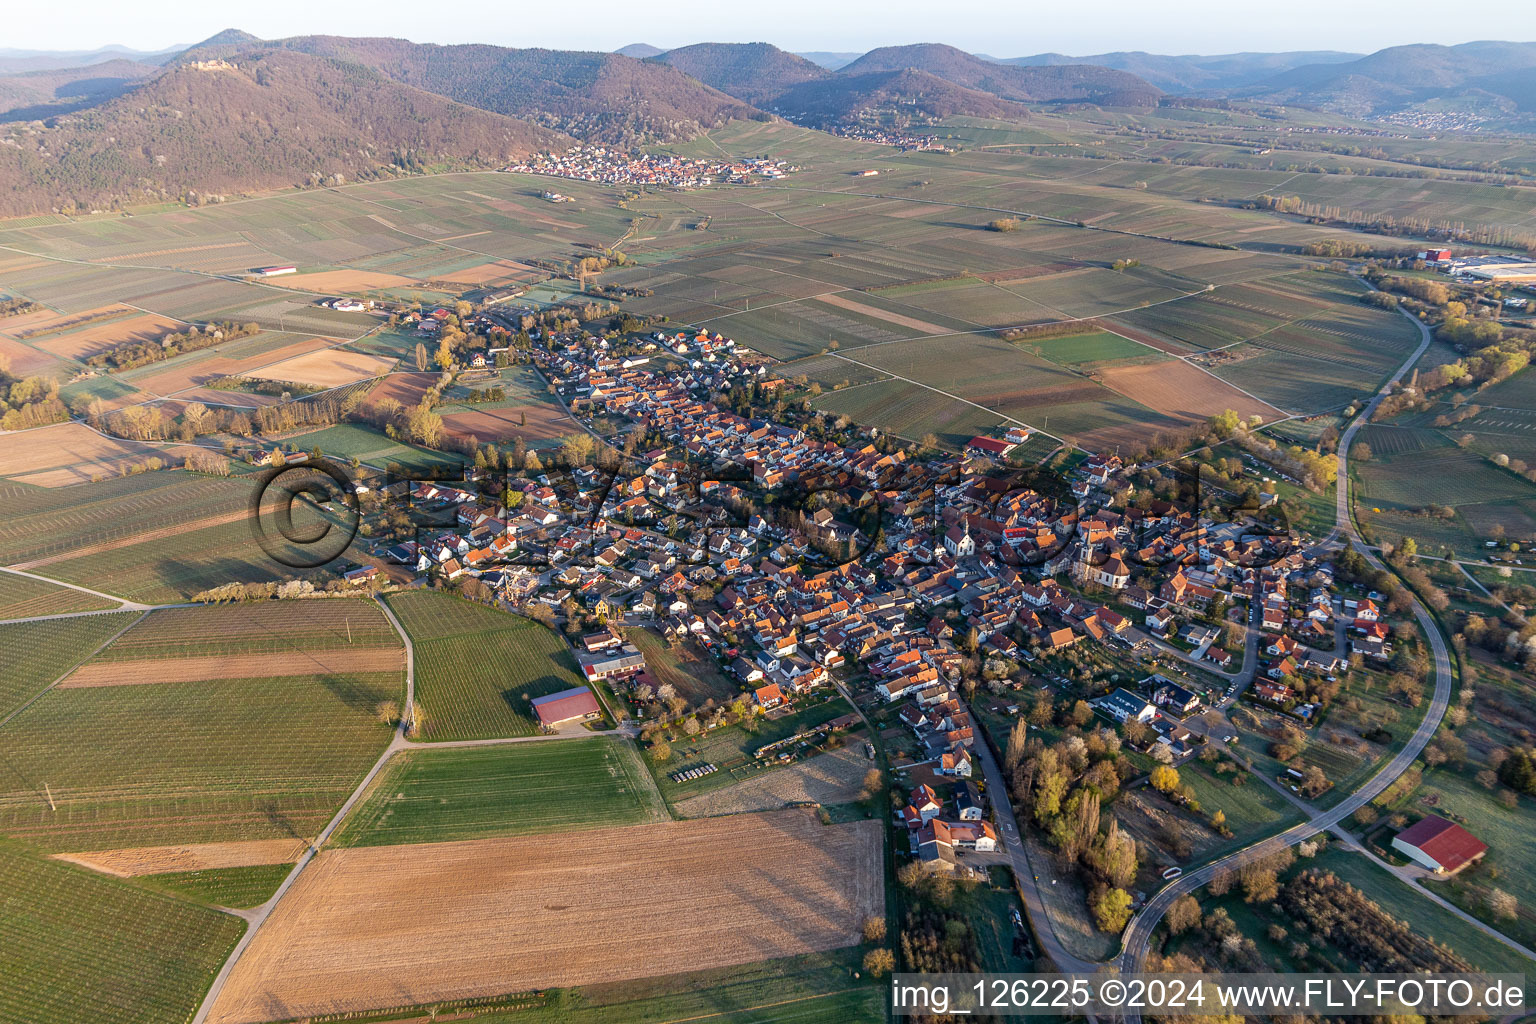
(372,927)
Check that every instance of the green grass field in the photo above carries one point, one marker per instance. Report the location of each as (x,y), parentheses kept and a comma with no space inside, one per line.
(1401,900)
(239,888)
(349,440)
(477,668)
(1088,348)
(507,789)
(81,948)
(1253,810)
(36,654)
(170,569)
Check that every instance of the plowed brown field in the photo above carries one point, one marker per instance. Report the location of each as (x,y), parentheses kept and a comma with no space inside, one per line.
(330,368)
(99,338)
(400,925)
(155,860)
(69,453)
(544,422)
(1179,389)
(236,666)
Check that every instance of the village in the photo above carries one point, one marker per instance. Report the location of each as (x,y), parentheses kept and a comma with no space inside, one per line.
(798,567)
(617,167)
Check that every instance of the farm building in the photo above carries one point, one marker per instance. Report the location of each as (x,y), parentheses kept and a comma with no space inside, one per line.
(1442,846)
(275,271)
(611,663)
(577,704)
(989,447)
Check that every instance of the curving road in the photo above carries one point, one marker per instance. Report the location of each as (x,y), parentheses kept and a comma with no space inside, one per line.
(1138,934)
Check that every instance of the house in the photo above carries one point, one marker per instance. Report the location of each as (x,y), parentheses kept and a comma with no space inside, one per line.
(923,808)
(1122,705)
(1169,694)
(1442,846)
(600,641)
(1277,693)
(577,704)
(769,696)
(361,575)
(956,763)
(962,835)
(969,802)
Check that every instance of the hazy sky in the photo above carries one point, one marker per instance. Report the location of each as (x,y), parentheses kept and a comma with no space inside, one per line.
(1001,29)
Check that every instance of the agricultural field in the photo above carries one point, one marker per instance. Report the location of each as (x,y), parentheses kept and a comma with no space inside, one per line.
(38,523)
(258,627)
(477,668)
(1089,349)
(82,947)
(327,368)
(189,858)
(260,758)
(509,915)
(239,888)
(812,988)
(24,596)
(540,425)
(352,441)
(1502,430)
(131,760)
(510,789)
(174,563)
(1420,469)
(958,387)
(909,410)
(36,654)
(68,453)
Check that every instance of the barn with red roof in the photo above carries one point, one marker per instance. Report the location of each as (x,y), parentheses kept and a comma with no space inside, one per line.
(1442,846)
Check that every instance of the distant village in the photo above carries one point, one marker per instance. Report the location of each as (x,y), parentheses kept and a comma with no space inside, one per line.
(617,167)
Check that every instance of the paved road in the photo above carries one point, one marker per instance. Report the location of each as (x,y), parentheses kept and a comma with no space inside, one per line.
(1138,935)
(1034,902)
(126,605)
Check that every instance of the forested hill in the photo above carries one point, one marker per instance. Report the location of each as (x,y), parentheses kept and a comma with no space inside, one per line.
(1060,83)
(842,98)
(757,73)
(605,97)
(258,121)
